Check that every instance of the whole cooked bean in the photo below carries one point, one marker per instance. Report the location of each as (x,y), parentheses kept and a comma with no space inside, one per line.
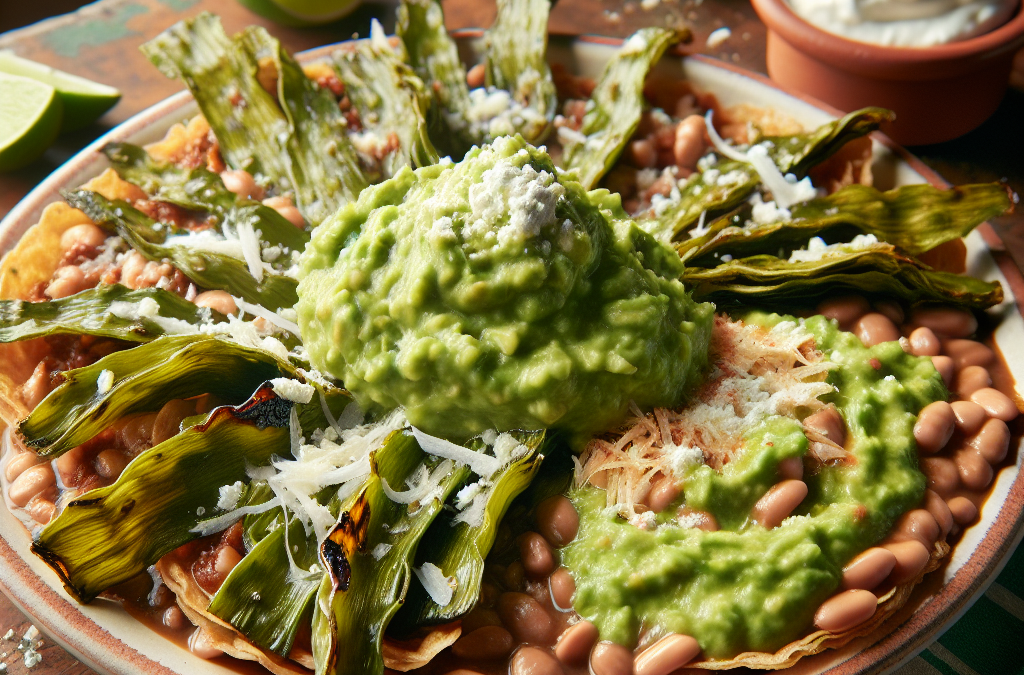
(136,433)
(689,141)
(31,482)
(971,379)
(946,369)
(609,658)
(701,520)
(218,300)
(67,280)
(110,463)
(536,554)
(202,646)
(643,153)
(514,576)
(892,310)
(479,617)
(975,472)
(666,655)
(846,610)
(918,525)
(489,642)
(942,474)
(845,309)
(168,420)
(173,618)
(780,501)
(557,520)
(791,468)
(946,322)
(934,426)
(85,234)
(525,618)
(969,416)
(19,462)
(968,353)
(227,558)
(488,594)
(996,404)
(829,423)
(923,342)
(69,463)
(37,386)
(241,183)
(869,569)
(940,512)
(286,207)
(662,493)
(574,645)
(561,585)
(132,268)
(993,441)
(911,557)
(874,328)
(963,509)
(41,508)
(533,661)
(476,75)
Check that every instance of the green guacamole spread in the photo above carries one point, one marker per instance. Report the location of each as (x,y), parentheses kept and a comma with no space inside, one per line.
(497,294)
(745,588)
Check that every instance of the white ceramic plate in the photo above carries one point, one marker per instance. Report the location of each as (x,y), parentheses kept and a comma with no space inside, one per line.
(109,640)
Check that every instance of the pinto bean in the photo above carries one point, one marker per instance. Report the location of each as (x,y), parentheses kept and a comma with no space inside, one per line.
(479,617)
(996,403)
(19,462)
(514,576)
(791,468)
(702,520)
(940,512)
(968,353)
(200,644)
(946,322)
(110,463)
(41,507)
(971,379)
(132,268)
(642,153)
(917,525)
(924,342)
(69,463)
(168,420)
(217,300)
(845,309)
(525,618)
(609,658)
(37,386)
(533,661)
(829,423)
(227,558)
(484,644)
(911,557)
(942,473)
(662,494)
(963,509)
(562,586)
(85,234)
(893,310)
(286,207)
(67,280)
(874,328)
(558,520)
(241,183)
(993,441)
(780,501)
(537,557)
(934,427)
(946,369)
(846,610)
(31,482)
(975,472)
(135,433)
(688,145)
(575,643)
(174,618)
(668,654)
(869,569)
(476,76)
(969,416)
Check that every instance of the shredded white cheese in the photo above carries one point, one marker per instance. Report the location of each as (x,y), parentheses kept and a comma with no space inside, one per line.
(439,587)
(105,381)
(292,390)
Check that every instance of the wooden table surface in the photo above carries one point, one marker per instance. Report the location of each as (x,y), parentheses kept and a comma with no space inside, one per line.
(100,41)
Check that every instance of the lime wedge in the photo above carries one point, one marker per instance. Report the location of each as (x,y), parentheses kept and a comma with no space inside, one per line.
(84,100)
(30,117)
(301,13)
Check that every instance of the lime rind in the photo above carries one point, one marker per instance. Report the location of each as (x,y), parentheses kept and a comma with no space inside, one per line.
(31,113)
(301,13)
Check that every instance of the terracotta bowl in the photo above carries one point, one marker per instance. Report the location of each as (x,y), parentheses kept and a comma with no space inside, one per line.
(938,93)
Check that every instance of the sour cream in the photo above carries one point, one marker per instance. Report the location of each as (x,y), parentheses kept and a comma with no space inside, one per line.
(905,23)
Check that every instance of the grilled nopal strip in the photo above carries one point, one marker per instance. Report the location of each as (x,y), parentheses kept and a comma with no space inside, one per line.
(459,549)
(90,313)
(207,269)
(364,586)
(796,154)
(616,105)
(143,380)
(914,218)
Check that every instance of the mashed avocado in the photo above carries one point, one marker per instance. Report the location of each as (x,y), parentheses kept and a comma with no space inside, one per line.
(746,588)
(496,294)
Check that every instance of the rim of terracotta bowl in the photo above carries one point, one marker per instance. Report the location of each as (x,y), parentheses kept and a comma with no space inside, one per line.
(884,62)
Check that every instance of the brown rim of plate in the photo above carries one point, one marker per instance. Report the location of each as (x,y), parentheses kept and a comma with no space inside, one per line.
(91,643)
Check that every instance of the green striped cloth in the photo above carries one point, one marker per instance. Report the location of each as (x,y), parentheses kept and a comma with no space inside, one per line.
(988,639)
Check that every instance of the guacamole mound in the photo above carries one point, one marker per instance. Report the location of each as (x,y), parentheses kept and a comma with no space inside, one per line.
(497,294)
